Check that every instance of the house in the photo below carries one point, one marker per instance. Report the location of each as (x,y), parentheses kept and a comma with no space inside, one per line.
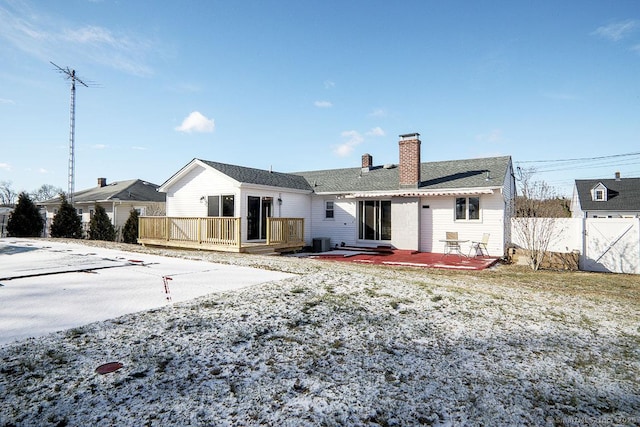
(117,199)
(5,214)
(409,205)
(606,198)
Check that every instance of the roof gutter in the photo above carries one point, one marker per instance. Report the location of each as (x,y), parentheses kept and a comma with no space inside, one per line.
(416,193)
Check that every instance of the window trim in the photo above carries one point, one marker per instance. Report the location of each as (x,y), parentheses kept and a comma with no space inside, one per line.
(379,231)
(328,210)
(467,209)
(221,206)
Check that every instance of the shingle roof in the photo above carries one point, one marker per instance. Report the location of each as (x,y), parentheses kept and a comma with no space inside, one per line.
(452,174)
(260,176)
(623,195)
(133,189)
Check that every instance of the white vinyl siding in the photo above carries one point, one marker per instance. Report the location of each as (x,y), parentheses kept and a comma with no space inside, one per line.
(438,219)
(183,197)
(342,229)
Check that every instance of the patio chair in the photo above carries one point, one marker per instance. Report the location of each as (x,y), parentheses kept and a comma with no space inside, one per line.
(480,246)
(451,244)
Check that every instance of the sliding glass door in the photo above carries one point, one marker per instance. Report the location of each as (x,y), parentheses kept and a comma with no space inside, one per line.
(258,210)
(374,220)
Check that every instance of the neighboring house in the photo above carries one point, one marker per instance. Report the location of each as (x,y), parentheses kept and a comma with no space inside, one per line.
(117,199)
(5,213)
(410,205)
(606,198)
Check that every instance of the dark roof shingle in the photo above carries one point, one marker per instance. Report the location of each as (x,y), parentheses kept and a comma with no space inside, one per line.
(623,195)
(133,189)
(260,176)
(470,173)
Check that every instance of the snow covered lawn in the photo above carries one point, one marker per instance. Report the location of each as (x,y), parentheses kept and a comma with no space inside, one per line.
(343,344)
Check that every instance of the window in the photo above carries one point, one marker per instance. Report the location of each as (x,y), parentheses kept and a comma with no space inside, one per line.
(467,208)
(328,209)
(221,205)
(374,220)
(598,195)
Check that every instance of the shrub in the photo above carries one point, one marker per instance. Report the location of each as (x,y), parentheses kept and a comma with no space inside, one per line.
(100,226)
(130,231)
(25,221)
(66,223)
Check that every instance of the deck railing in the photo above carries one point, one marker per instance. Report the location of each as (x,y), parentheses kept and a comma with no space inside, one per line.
(285,230)
(223,231)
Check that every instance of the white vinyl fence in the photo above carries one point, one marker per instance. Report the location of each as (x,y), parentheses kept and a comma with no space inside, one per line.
(605,244)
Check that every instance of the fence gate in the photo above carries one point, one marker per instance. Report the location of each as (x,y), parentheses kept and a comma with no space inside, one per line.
(612,245)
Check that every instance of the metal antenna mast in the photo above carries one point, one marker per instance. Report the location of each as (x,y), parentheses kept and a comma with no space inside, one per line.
(71,75)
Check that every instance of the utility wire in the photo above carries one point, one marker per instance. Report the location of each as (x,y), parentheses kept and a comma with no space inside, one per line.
(637,153)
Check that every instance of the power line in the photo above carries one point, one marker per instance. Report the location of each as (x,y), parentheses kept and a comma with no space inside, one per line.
(637,153)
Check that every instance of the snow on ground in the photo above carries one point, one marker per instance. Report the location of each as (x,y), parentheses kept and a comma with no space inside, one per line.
(50,286)
(339,344)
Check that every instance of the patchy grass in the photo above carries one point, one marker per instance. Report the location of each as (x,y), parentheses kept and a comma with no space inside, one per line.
(344,344)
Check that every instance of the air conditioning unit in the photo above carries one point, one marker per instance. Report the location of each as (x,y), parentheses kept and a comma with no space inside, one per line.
(321,244)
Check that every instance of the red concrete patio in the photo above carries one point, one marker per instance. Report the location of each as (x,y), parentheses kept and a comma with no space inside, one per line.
(410,259)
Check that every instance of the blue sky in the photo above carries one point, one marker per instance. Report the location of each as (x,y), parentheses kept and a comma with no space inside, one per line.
(302,85)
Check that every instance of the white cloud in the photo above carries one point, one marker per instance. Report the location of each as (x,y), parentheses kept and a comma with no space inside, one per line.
(493,136)
(617,30)
(5,166)
(43,171)
(323,104)
(6,101)
(378,112)
(196,122)
(99,146)
(353,139)
(137,147)
(376,131)
(49,38)
(328,84)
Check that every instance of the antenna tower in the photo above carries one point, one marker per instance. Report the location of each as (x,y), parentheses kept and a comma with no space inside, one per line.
(71,75)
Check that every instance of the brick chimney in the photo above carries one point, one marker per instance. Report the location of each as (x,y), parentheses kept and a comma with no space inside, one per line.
(102,182)
(409,160)
(618,176)
(367,161)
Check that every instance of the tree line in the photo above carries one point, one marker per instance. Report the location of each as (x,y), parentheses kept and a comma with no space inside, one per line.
(9,196)
(26,221)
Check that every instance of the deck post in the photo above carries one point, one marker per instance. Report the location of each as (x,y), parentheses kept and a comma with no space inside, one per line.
(166,228)
(268,230)
(198,226)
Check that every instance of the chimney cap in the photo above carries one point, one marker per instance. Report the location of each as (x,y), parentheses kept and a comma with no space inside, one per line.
(410,135)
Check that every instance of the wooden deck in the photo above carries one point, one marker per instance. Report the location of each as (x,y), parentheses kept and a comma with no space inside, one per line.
(221,234)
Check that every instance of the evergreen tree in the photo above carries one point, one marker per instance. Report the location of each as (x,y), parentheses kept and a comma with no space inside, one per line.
(25,221)
(130,231)
(66,223)
(100,227)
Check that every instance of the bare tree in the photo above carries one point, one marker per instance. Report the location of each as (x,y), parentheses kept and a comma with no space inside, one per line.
(45,192)
(536,225)
(155,209)
(7,194)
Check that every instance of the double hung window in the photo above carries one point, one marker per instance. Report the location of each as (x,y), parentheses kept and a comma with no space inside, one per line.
(222,205)
(467,208)
(328,209)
